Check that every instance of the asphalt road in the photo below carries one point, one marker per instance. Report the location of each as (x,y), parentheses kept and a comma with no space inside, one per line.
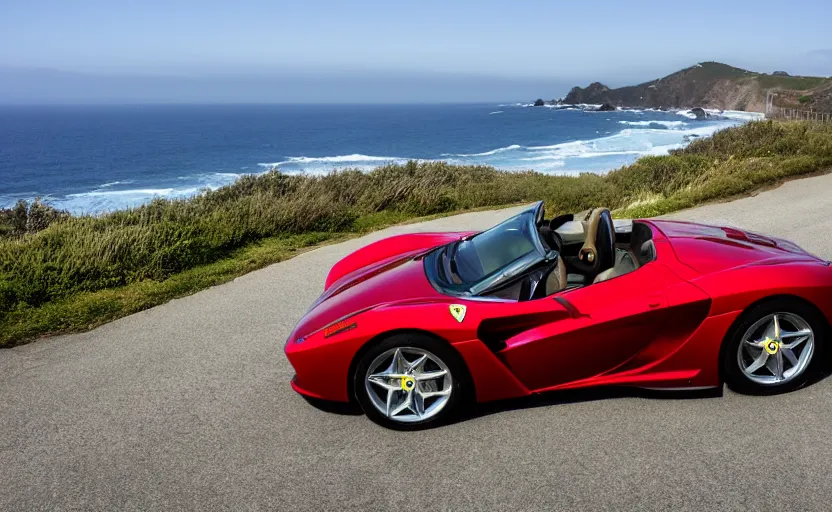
(188,406)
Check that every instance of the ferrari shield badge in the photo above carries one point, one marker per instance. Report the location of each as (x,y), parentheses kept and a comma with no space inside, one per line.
(771,346)
(458,312)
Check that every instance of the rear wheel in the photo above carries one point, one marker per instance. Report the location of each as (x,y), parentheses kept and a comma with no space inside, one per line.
(410,382)
(775,347)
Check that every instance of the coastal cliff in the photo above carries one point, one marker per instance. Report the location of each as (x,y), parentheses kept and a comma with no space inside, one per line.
(713,85)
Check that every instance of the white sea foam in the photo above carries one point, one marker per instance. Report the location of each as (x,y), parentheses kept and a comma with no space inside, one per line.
(114,183)
(340,159)
(325,164)
(613,150)
(666,124)
(487,153)
(495,112)
(115,196)
(139,191)
(734,115)
(740,115)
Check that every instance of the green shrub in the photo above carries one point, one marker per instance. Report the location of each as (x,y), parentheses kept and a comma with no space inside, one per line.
(47,256)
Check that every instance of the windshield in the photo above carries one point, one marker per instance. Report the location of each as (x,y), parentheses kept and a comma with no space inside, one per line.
(493,249)
(488,259)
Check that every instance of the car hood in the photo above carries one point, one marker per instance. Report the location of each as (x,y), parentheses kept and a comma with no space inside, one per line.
(707,249)
(392,279)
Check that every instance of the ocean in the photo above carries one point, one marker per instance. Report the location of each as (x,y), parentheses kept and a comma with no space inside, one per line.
(92,159)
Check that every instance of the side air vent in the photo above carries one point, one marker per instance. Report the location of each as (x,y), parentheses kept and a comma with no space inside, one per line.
(495,331)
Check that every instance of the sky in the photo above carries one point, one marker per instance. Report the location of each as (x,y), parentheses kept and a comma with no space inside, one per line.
(359,50)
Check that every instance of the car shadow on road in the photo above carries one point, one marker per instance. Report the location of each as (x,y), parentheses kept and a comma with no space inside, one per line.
(564,397)
(342,408)
(584,395)
(605,393)
(541,400)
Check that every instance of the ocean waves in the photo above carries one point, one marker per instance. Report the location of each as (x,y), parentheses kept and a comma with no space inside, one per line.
(732,115)
(597,155)
(121,194)
(486,153)
(324,164)
(520,139)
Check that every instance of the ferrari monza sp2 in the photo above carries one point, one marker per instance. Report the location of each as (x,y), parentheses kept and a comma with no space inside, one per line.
(415,326)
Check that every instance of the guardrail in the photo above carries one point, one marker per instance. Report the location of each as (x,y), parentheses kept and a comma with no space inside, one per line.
(793,114)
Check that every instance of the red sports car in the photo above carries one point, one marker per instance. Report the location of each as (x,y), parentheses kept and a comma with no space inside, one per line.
(413,326)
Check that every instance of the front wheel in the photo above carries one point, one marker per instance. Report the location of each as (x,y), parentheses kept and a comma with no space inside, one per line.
(410,382)
(775,347)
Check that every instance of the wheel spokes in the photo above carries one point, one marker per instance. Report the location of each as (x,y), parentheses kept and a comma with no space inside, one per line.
(778,365)
(795,334)
(399,362)
(385,381)
(418,402)
(430,375)
(802,335)
(404,405)
(783,342)
(789,354)
(401,387)
(431,394)
(756,343)
(417,364)
(390,396)
(758,363)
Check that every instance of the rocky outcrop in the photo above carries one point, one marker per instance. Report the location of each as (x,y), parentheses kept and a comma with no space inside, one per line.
(709,85)
(700,113)
(606,107)
(595,93)
(539,103)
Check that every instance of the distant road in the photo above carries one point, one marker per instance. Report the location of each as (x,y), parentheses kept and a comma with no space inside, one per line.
(188,406)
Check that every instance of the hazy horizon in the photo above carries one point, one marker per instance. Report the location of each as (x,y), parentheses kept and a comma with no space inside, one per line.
(184,51)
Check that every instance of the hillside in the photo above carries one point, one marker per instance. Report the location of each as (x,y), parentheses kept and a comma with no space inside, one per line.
(713,85)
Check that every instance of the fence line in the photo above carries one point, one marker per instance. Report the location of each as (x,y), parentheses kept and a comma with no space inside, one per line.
(799,115)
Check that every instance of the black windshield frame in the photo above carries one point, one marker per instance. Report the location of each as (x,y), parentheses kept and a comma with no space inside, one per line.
(439,266)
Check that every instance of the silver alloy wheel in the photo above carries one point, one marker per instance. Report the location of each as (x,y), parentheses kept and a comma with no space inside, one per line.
(776,349)
(408,384)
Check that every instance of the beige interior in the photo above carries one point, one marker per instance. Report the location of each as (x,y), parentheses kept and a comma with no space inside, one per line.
(557,278)
(624,264)
(588,251)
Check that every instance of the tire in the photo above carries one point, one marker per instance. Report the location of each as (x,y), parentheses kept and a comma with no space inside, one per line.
(742,372)
(441,398)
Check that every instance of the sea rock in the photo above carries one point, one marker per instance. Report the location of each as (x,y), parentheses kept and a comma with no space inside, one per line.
(539,103)
(606,107)
(700,113)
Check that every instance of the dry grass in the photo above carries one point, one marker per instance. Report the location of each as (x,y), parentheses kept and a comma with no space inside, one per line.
(46,274)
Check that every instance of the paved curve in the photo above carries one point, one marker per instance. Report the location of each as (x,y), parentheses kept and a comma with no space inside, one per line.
(187,406)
